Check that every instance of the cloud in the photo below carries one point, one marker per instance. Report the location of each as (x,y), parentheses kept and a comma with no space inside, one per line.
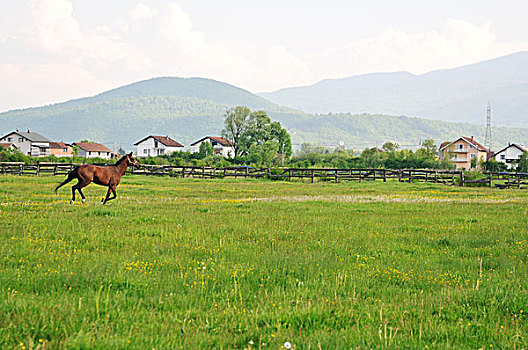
(141,12)
(53,25)
(459,43)
(55,58)
(177,29)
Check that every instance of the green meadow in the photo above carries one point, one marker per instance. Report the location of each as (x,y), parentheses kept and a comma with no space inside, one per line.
(249,264)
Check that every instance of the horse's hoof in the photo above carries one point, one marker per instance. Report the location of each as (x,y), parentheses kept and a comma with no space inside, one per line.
(83,201)
(71,202)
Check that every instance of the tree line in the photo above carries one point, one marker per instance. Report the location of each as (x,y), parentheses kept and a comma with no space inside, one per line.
(258,141)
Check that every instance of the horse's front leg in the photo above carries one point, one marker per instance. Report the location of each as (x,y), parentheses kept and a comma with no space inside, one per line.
(104,200)
(113,188)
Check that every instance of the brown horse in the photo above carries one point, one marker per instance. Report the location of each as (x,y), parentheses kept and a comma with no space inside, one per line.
(109,176)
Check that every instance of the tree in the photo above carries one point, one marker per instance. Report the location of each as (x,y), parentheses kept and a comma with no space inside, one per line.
(284,141)
(252,132)
(390,146)
(522,166)
(428,148)
(206,150)
(235,125)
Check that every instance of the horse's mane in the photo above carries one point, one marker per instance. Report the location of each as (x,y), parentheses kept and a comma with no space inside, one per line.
(121,160)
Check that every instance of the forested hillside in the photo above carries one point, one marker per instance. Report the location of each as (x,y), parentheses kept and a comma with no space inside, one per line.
(188,109)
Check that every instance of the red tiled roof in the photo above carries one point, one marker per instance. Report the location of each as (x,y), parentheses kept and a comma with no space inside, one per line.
(167,141)
(92,147)
(58,145)
(472,141)
(469,140)
(221,140)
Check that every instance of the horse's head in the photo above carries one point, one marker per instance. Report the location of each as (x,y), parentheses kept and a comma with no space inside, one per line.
(133,161)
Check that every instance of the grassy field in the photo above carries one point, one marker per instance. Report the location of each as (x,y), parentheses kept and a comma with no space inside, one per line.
(182,263)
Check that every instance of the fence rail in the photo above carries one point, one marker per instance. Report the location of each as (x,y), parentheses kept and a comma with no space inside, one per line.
(499,180)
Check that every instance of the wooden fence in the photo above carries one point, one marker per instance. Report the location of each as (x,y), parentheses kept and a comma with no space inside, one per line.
(498,180)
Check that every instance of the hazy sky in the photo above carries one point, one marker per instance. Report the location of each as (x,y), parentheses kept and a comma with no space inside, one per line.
(56,50)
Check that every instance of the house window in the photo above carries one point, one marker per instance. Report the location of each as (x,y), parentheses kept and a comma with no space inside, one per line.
(503,156)
(460,146)
(155,144)
(20,139)
(98,153)
(89,153)
(65,150)
(472,156)
(144,151)
(9,139)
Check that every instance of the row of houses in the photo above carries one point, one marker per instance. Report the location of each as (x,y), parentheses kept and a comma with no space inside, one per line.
(35,145)
(153,145)
(464,150)
(460,152)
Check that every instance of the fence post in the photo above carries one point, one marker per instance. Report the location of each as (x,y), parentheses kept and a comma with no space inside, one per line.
(410,175)
(462,179)
(490,179)
(384,175)
(335,175)
(313,175)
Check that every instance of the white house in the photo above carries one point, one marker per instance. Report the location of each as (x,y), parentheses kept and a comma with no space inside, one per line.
(93,150)
(221,146)
(157,145)
(510,155)
(29,143)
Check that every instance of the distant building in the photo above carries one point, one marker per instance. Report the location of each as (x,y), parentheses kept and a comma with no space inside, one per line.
(29,143)
(462,151)
(510,155)
(152,146)
(93,150)
(221,146)
(61,149)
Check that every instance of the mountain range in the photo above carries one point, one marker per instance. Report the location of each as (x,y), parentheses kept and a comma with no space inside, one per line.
(188,109)
(456,95)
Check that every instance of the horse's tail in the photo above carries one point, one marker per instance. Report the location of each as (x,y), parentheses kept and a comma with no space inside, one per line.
(71,175)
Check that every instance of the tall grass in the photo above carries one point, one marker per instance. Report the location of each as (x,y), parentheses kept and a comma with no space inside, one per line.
(182,263)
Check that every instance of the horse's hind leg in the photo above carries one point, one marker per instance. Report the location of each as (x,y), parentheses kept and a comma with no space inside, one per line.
(78,186)
(82,195)
(73,194)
